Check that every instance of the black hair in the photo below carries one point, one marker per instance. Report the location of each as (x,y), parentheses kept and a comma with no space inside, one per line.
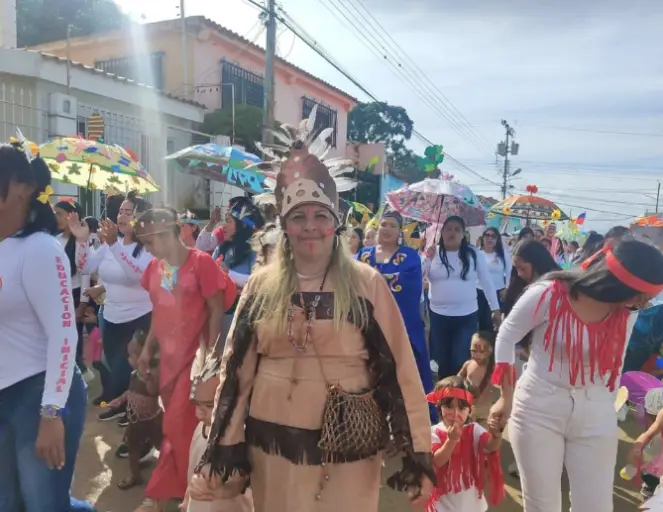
(533,252)
(499,247)
(526,231)
(488,337)
(15,167)
(560,247)
(240,243)
(575,244)
(617,233)
(92,224)
(140,337)
(464,252)
(70,246)
(140,206)
(456,382)
(592,245)
(113,204)
(598,283)
(360,235)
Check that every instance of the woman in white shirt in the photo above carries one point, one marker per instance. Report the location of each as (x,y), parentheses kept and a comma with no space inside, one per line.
(499,266)
(452,293)
(74,251)
(42,394)
(562,411)
(120,263)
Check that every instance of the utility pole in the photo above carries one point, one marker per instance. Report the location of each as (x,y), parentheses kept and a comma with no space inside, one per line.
(658,194)
(270,57)
(69,59)
(185,52)
(506,148)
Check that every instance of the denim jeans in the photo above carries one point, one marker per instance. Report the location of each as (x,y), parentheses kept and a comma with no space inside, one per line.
(450,340)
(26,483)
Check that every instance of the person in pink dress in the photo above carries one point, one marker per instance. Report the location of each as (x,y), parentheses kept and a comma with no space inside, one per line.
(189,293)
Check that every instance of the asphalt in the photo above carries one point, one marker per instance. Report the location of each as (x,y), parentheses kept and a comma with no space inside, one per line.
(98,472)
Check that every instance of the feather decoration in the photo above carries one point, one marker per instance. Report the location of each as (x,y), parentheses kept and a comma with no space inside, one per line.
(345,184)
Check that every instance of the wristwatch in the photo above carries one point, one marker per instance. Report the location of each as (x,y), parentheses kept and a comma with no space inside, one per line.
(50,412)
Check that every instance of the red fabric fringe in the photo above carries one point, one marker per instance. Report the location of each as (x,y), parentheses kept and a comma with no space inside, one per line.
(467,469)
(501,371)
(606,341)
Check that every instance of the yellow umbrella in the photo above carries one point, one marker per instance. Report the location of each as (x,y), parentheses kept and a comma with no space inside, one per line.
(95,165)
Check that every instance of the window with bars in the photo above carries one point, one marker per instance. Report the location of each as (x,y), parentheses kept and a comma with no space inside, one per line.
(134,69)
(81,126)
(249,87)
(326,117)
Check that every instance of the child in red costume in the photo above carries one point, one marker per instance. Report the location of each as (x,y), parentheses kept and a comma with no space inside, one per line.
(465,455)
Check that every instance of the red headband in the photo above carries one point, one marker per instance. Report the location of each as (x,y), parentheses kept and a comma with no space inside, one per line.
(434,397)
(622,274)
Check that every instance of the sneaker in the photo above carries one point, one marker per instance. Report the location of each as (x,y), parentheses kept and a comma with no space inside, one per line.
(123,421)
(146,453)
(111,414)
(88,376)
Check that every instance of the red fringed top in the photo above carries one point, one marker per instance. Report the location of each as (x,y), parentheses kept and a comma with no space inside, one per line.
(605,341)
(468,468)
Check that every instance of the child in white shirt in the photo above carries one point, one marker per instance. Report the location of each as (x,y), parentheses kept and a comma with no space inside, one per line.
(465,455)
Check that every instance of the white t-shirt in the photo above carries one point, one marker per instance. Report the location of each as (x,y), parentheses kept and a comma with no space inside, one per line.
(467,500)
(450,294)
(500,271)
(522,319)
(37,315)
(121,273)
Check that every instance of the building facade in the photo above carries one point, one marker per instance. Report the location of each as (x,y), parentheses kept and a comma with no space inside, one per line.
(45,97)
(222,67)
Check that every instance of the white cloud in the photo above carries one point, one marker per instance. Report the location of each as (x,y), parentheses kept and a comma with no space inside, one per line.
(551,68)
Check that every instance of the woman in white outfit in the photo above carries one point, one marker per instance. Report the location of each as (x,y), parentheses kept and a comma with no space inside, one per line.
(562,412)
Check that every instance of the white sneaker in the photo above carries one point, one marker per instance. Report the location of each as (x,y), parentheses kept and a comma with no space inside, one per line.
(88,376)
(434,367)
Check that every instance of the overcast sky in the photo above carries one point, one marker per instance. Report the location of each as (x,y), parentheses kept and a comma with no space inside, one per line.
(580,81)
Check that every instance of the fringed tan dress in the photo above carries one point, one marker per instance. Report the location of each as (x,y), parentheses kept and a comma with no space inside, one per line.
(284,392)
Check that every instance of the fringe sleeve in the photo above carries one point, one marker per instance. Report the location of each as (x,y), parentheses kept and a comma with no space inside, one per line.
(226,450)
(398,388)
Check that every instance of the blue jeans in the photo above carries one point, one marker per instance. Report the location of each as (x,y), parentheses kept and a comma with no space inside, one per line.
(450,340)
(26,483)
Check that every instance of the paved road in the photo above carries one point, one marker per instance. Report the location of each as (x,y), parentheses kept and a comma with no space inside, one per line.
(98,472)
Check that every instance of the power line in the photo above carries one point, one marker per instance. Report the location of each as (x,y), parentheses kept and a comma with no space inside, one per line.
(590,130)
(287,21)
(403,70)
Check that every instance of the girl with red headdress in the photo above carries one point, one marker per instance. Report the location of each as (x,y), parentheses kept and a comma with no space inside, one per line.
(465,455)
(562,410)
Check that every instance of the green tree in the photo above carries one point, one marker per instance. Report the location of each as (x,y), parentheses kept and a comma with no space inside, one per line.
(248,124)
(392,126)
(44,21)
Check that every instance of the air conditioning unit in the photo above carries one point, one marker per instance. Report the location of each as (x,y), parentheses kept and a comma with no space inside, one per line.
(62,113)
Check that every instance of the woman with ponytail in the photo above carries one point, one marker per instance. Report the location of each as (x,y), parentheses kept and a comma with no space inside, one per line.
(453,276)
(42,394)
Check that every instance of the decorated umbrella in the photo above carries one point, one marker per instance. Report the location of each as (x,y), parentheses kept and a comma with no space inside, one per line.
(95,165)
(225,164)
(529,207)
(433,200)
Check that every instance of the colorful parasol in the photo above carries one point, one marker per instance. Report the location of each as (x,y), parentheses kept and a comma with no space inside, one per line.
(224,164)
(530,207)
(433,200)
(95,165)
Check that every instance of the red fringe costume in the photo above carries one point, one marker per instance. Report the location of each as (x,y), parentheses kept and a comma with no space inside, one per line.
(468,469)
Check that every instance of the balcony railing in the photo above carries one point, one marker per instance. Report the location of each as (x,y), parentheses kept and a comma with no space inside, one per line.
(134,69)
(249,87)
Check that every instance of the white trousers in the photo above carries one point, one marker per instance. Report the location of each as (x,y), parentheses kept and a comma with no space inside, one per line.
(552,427)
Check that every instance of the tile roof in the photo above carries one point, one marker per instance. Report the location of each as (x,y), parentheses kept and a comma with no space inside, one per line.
(91,69)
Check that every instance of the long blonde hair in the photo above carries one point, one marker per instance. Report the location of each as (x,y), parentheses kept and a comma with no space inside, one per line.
(277,282)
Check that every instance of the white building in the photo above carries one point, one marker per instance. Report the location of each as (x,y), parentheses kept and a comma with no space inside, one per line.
(45,97)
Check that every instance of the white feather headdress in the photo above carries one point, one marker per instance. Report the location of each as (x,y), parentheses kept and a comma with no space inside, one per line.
(317,145)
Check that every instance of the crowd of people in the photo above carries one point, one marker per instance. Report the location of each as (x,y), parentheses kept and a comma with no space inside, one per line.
(275,357)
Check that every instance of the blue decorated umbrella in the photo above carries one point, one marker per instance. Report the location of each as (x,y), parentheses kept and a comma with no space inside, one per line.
(225,164)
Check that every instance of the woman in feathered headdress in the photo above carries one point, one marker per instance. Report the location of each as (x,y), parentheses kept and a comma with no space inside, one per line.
(335,384)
